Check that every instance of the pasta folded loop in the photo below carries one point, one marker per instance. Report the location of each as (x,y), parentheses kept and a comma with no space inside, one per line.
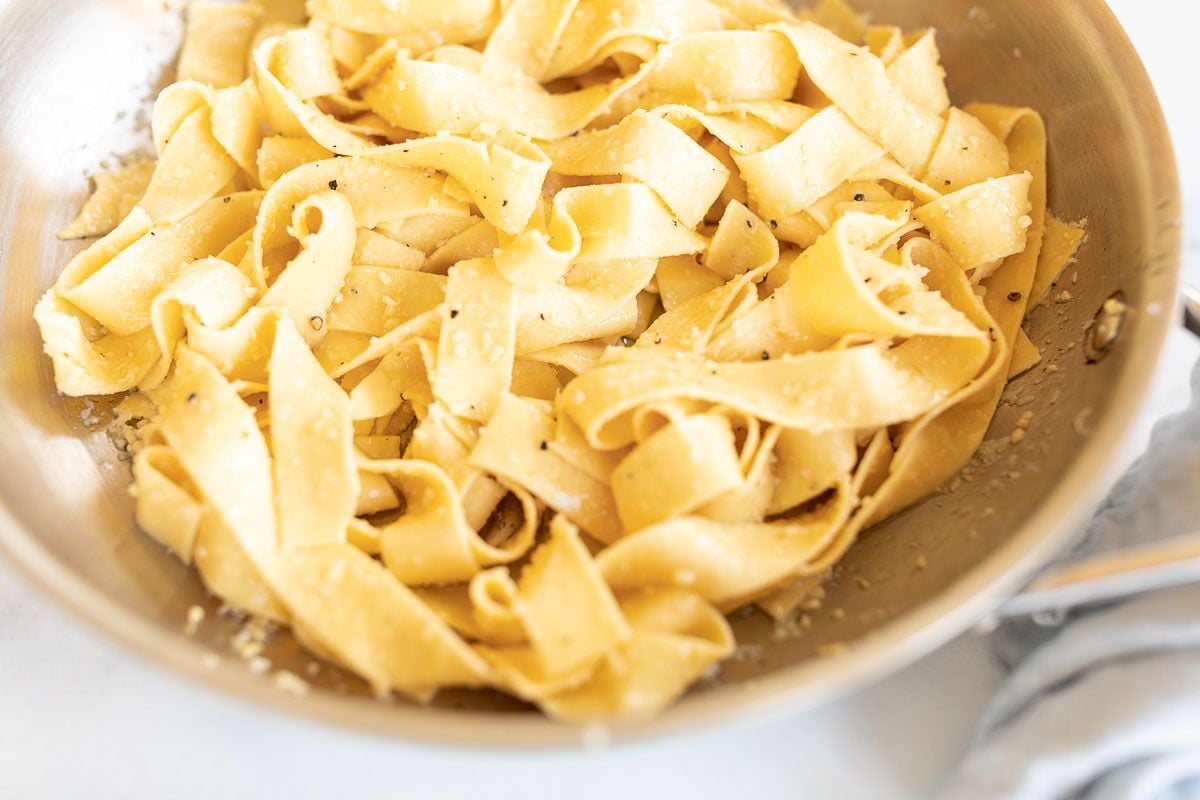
(431,542)
(433,95)
(100,343)
(677,639)
(599,223)
(116,193)
(677,470)
(116,280)
(503,176)
(871,295)
(603,29)
(570,617)
(167,506)
(379,195)
(749,499)
(818,391)
(205,138)
(998,213)
(207,292)
(819,156)
(806,465)
(515,445)
(728,564)
(307,287)
(856,81)
(648,149)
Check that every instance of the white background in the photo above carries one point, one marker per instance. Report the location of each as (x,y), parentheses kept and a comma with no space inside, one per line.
(81,718)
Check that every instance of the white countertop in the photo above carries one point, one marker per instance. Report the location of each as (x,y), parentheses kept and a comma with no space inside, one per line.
(80,717)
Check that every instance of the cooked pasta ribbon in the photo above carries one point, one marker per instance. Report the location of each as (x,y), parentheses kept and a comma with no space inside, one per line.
(513,344)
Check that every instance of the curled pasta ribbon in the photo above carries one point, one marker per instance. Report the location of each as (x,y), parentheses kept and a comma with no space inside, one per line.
(458,554)
(609,222)
(439,95)
(559,637)
(573,38)
(105,341)
(412,196)
(511,447)
(729,564)
(207,142)
(677,638)
(943,440)
(324,226)
(300,558)
(116,193)
(1025,136)
(859,387)
(562,646)
(650,150)
(504,178)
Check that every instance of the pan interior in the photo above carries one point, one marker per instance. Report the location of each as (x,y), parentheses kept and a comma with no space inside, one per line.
(79,76)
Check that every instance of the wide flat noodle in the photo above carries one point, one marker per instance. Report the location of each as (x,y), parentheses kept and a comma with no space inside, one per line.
(116,193)
(513,344)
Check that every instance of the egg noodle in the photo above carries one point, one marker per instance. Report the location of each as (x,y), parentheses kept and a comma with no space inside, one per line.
(514,343)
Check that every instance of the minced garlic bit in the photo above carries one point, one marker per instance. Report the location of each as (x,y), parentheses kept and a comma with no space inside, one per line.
(290,683)
(195,617)
(249,641)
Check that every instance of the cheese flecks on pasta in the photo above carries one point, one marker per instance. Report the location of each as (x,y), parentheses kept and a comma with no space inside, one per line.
(512,345)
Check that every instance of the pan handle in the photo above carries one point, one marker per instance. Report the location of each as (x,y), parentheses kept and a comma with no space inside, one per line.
(1122,574)
(1112,576)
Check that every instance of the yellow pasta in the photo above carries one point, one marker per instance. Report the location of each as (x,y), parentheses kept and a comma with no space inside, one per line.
(513,344)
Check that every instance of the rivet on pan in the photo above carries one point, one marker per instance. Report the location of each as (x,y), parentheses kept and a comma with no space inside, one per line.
(1110,321)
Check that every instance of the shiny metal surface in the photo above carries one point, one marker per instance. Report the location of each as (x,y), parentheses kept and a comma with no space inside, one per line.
(77,72)
(1191,309)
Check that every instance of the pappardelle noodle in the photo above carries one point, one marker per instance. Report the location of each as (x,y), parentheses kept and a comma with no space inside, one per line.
(514,343)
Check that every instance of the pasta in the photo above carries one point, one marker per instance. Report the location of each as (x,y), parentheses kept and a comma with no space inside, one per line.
(515,344)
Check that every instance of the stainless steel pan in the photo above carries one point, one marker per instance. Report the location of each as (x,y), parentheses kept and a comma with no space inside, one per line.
(66,67)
